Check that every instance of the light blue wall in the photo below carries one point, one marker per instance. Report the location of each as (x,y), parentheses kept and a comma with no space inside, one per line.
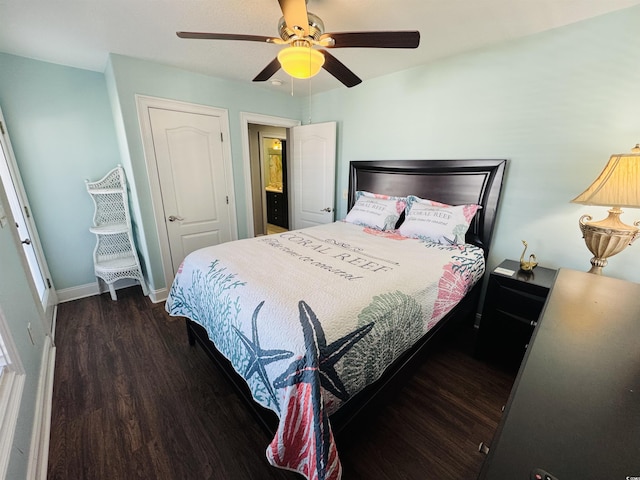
(62,132)
(127,77)
(557,105)
(19,308)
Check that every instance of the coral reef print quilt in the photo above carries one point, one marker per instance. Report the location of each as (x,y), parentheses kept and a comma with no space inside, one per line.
(310,317)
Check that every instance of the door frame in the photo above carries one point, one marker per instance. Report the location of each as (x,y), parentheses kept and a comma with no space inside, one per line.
(245,119)
(143,103)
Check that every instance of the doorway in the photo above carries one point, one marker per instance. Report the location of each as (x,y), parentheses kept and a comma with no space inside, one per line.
(269,179)
(275,173)
(310,172)
(256,198)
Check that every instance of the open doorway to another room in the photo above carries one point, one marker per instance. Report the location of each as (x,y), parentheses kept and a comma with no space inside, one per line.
(269,179)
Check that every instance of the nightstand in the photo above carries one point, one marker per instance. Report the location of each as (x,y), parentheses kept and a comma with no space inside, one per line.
(512,306)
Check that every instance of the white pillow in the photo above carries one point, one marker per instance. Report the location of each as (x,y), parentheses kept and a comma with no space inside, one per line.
(380,212)
(437,222)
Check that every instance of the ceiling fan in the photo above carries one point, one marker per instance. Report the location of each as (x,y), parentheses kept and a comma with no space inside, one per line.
(301,31)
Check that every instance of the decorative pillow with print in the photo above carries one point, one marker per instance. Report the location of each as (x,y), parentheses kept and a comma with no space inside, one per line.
(437,222)
(380,212)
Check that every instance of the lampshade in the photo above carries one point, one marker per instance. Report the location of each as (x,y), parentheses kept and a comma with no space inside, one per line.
(619,183)
(301,62)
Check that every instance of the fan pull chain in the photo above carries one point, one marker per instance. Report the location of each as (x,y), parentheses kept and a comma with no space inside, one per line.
(309,84)
(309,96)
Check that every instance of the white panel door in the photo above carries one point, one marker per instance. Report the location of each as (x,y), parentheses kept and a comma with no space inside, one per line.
(26,228)
(313,170)
(193,179)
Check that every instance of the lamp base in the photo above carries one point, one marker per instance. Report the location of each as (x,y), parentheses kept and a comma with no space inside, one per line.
(607,237)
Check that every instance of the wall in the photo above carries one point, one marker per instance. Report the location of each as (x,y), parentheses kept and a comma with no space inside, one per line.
(556,104)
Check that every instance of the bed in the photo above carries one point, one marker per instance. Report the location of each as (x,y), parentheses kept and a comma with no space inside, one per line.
(315,326)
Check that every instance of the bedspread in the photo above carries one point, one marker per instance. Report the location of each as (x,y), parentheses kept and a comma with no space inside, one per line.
(310,317)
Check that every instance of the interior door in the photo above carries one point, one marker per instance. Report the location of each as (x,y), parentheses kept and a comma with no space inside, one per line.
(193,180)
(23,221)
(313,170)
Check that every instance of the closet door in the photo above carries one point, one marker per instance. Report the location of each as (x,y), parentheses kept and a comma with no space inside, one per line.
(193,179)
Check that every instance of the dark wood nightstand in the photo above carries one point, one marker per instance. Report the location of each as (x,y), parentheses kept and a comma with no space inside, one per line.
(512,306)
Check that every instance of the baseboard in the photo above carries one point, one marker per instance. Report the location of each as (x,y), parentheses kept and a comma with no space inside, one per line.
(39,450)
(90,289)
(157,296)
(54,322)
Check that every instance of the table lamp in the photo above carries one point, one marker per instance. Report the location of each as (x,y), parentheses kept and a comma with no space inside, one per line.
(617,186)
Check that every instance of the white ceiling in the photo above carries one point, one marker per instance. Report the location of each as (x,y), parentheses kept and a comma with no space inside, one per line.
(81,33)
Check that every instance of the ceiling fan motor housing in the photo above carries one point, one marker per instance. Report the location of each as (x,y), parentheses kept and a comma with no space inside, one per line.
(316,29)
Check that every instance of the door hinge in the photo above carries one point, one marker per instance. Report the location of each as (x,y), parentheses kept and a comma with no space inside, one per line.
(48,283)
(26,212)
(2,128)
(221,137)
(227,200)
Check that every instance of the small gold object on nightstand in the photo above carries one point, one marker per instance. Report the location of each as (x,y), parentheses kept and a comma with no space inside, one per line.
(527,265)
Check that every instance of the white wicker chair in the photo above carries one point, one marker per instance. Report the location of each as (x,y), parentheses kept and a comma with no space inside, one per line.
(114,256)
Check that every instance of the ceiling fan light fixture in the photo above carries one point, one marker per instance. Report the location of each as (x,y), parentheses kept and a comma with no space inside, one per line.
(301,62)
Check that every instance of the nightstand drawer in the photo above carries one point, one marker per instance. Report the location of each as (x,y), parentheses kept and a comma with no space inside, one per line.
(521,305)
(510,339)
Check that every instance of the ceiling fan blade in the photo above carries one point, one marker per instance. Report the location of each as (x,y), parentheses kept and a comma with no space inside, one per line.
(401,39)
(295,15)
(224,36)
(339,70)
(268,71)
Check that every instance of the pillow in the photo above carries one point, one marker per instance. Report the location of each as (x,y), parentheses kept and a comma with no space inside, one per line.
(437,222)
(380,212)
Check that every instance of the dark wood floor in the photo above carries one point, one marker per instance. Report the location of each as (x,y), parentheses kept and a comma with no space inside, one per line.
(132,400)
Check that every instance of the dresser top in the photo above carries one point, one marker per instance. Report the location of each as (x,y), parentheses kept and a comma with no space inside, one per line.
(574,410)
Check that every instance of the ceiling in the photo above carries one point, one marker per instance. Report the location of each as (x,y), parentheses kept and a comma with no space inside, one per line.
(81,33)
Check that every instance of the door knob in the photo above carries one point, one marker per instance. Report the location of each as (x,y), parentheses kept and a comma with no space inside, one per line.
(26,241)
(173,218)
(328,209)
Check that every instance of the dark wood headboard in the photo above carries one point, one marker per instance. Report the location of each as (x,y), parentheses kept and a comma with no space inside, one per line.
(454,182)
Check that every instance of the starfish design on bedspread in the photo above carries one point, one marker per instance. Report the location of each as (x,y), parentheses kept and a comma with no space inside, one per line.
(320,356)
(258,357)
(318,363)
